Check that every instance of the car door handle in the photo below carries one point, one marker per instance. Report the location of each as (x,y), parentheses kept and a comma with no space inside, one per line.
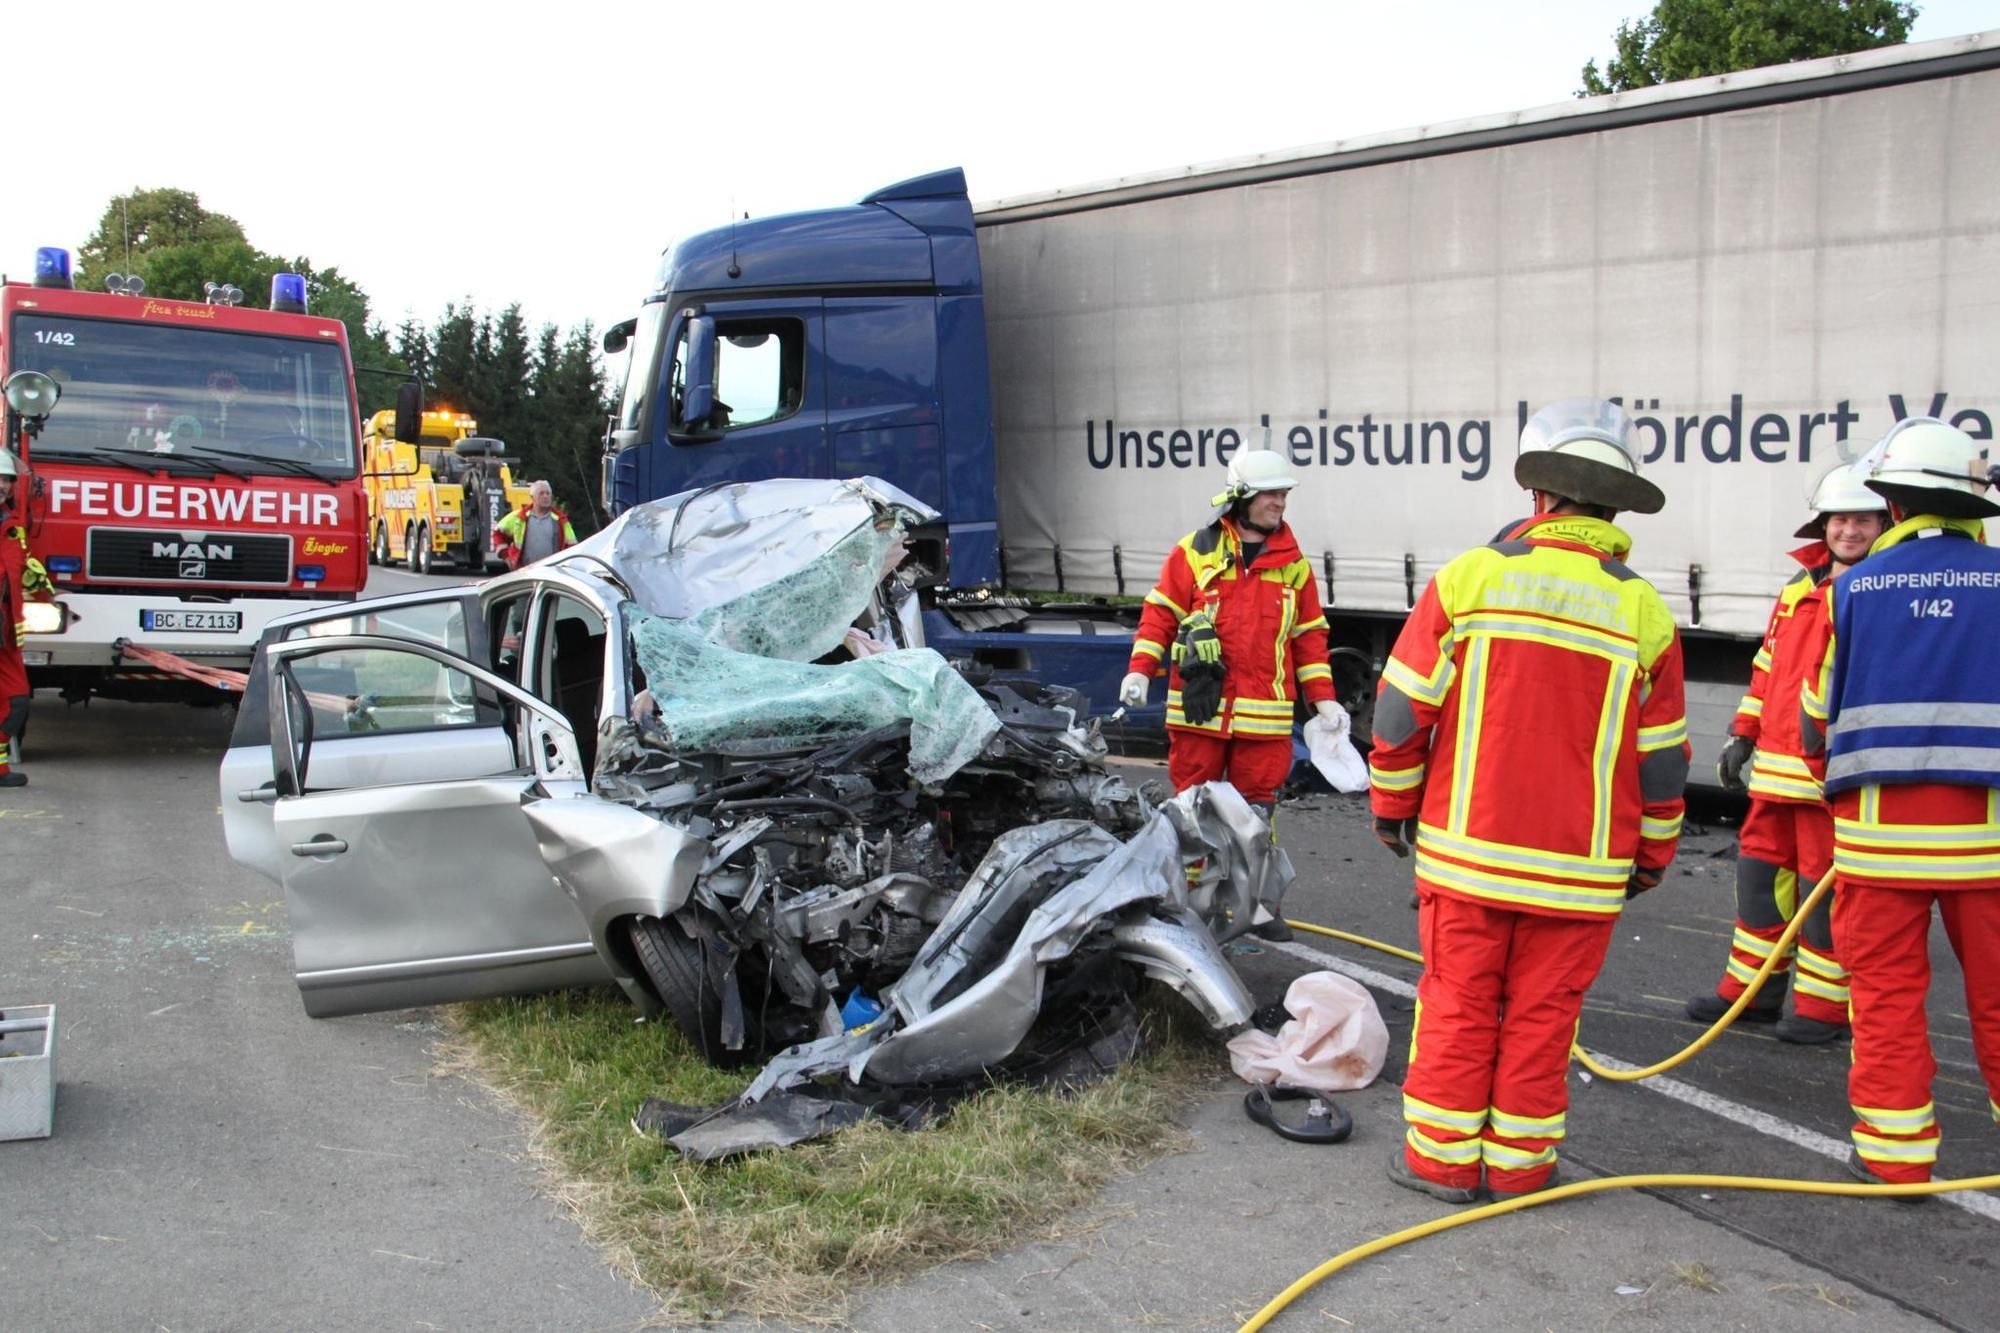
(257,795)
(319,847)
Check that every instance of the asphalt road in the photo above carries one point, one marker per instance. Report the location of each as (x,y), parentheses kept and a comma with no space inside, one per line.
(221,1161)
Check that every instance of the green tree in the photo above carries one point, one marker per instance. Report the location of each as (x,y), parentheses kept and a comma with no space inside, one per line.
(1692,39)
(510,374)
(142,221)
(569,413)
(454,348)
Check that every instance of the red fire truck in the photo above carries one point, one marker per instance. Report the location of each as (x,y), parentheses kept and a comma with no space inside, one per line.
(195,473)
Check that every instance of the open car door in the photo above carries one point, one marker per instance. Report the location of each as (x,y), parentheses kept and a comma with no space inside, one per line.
(417,881)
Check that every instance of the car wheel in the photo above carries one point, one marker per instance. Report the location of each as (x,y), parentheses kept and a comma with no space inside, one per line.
(673,966)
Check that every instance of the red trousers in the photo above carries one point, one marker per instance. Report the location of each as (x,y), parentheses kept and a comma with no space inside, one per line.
(1884,935)
(1497,1008)
(14,696)
(1257,768)
(1783,850)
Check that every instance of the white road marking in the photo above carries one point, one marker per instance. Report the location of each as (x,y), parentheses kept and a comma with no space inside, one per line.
(1980,1205)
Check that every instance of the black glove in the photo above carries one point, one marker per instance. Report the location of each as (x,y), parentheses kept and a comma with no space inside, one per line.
(1396,834)
(1201,690)
(1642,879)
(1198,654)
(1729,768)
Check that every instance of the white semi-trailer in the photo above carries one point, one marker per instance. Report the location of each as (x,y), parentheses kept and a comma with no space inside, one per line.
(1768,268)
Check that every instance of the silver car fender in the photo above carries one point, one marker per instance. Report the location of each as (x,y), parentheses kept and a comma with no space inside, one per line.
(616,862)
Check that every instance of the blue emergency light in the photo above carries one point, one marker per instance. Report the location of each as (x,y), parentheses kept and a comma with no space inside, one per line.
(52,267)
(311,573)
(64,564)
(288,293)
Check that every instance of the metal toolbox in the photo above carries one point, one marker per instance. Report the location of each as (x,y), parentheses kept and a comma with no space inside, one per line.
(27,1071)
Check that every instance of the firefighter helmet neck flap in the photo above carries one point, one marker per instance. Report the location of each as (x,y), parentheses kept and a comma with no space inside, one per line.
(1582,449)
(1927,467)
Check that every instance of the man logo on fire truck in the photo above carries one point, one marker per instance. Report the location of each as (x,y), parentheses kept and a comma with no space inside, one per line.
(192,446)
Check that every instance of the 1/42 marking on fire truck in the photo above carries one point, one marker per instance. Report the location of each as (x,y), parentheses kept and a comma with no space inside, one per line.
(192,622)
(55,338)
(1934,608)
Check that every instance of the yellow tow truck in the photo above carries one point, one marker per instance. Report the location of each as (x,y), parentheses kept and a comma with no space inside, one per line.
(438,499)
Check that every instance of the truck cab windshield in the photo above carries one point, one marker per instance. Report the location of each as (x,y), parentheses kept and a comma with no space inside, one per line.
(272,405)
(642,368)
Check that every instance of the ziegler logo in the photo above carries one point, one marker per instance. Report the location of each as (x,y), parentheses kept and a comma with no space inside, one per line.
(314,546)
(195,551)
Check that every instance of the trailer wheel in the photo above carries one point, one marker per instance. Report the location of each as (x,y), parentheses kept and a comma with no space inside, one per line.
(673,966)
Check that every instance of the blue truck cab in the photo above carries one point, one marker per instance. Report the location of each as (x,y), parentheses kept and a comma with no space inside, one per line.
(848,342)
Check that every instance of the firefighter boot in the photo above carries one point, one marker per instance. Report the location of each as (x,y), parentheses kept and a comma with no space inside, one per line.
(1406,1175)
(1803,1031)
(1859,1170)
(1766,1008)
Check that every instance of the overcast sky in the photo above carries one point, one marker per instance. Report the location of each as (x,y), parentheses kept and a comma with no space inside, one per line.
(438,152)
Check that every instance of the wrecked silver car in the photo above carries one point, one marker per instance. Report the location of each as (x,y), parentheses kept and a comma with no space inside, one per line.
(704,754)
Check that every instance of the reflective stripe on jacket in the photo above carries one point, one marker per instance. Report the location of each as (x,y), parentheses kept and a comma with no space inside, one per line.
(1267,618)
(21,577)
(1532,719)
(1794,645)
(1918,835)
(512,529)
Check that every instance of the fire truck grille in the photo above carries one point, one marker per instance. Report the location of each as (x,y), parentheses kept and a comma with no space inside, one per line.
(127,555)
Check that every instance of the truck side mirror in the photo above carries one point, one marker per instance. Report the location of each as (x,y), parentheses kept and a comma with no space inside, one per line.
(409,411)
(698,389)
(618,335)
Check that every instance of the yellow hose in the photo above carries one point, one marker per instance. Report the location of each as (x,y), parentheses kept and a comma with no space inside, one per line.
(1470,1215)
(1668,1181)
(1688,1052)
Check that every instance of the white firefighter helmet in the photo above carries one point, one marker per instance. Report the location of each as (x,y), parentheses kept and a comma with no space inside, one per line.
(1254,470)
(8,466)
(1843,489)
(1582,450)
(1927,467)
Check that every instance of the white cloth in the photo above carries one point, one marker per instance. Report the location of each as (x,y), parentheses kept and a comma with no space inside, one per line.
(1333,754)
(1335,1042)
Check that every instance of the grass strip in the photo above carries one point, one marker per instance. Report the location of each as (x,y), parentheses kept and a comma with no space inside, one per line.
(789,1235)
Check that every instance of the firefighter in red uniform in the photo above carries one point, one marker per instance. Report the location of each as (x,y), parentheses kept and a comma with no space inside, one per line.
(1910,704)
(1238,613)
(1787,839)
(21,577)
(1530,740)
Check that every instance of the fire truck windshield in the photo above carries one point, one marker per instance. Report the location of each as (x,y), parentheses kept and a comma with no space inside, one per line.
(270,405)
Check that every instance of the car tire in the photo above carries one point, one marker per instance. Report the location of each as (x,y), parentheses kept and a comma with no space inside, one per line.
(673,966)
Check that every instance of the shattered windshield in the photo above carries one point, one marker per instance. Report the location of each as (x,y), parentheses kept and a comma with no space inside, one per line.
(743,669)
